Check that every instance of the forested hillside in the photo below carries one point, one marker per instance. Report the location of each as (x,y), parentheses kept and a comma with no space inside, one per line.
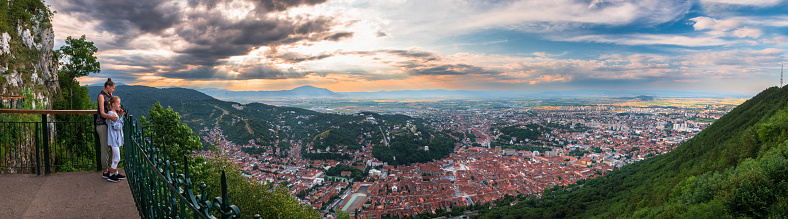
(333,136)
(138,99)
(737,167)
(407,144)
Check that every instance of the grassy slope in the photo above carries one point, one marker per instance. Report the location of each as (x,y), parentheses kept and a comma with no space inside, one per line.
(652,183)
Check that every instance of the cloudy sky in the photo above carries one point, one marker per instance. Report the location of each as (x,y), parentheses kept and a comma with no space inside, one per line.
(731,46)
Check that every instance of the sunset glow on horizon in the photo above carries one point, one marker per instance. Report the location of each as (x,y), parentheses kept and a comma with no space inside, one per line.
(509,45)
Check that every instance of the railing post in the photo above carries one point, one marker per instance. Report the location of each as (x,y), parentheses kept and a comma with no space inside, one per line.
(45,129)
(225,198)
(38,153)
(43,137)
(97,146)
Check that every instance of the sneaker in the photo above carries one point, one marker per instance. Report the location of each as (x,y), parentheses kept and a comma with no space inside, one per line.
(120,176)
(113,178)
(105,175)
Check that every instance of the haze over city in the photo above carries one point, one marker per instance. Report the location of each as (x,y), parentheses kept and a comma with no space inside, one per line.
(359,46)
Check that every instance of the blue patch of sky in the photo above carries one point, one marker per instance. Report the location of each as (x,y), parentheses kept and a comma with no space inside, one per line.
(746,10)
(682,25)
(777,30)
(517,43)
(522,44)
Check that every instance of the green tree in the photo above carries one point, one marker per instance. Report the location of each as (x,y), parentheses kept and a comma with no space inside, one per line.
(342,215)
(165,129)
(251,197)
(267,200)
(77,59)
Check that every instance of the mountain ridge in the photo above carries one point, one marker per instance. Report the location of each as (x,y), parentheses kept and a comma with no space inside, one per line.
(255,122)
(298,92)
(140,96)
(311,92)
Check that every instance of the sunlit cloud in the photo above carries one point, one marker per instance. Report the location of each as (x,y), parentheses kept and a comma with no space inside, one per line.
(707,23)
(652,39)
(399,45)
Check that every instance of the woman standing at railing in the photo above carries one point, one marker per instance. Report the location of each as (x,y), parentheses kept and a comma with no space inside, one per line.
(101,124)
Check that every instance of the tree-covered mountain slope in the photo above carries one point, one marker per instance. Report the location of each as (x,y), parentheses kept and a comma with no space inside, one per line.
(323,135)
(138,99)
(737,167)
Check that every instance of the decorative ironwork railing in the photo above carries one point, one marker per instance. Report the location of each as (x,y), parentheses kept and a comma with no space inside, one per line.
(29,146)
(162,188)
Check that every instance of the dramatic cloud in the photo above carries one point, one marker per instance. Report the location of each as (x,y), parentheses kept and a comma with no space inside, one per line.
(204,33)
(450,44)
(455,69)
(432,20)
(294,58)
(426,63)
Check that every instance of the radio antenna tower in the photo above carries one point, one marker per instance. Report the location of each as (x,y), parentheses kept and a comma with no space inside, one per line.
(781,73)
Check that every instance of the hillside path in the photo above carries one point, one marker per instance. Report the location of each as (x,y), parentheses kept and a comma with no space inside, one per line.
(65,195)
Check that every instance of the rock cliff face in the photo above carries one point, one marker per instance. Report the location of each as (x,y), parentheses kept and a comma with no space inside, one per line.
(27,63)
(28,69)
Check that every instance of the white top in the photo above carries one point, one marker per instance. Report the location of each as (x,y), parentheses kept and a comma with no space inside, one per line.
(115,131)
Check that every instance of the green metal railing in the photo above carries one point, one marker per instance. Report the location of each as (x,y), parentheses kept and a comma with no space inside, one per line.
(27,147)
(159,190)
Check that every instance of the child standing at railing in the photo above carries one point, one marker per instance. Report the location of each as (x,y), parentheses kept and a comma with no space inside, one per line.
(115,137)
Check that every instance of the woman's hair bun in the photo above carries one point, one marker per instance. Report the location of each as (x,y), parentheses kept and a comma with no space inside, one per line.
(109,82)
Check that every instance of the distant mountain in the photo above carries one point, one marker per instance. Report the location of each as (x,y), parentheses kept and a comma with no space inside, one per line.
(639,98)
(299,92)
(735,168)
(311,92)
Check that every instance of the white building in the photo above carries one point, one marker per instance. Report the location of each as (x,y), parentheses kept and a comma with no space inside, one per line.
(374,172)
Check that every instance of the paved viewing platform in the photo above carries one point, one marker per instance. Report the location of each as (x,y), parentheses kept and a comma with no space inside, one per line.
(65,195)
